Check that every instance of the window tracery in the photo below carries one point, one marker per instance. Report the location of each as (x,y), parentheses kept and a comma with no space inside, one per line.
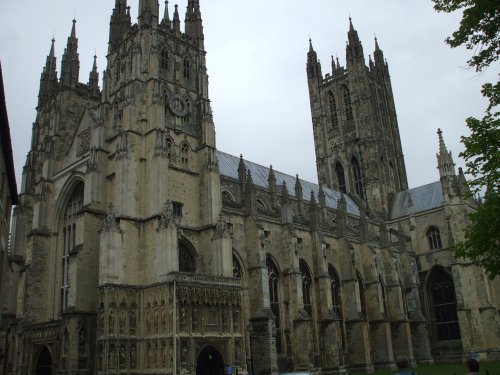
(434,238)
(70,219)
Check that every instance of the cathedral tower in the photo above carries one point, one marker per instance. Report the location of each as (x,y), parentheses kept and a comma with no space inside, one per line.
(358,148)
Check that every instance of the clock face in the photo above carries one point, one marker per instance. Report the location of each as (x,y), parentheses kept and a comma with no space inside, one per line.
(178,105)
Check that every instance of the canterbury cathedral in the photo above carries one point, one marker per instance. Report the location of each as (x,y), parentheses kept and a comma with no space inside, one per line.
(140,248)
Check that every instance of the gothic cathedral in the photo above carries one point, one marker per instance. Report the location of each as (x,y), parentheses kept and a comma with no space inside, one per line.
(139,248)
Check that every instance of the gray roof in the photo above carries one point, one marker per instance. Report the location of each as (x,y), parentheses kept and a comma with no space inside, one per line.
(228,167)
(424,198)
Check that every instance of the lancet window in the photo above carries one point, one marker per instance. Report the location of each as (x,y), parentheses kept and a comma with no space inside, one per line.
(444,303)
(434,238)
(333,110)
(339,171)
(306,287)
(335,291)
(274,299)
(70,219)
(358,178)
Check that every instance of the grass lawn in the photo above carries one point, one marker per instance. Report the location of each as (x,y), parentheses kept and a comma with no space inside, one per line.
(491,368)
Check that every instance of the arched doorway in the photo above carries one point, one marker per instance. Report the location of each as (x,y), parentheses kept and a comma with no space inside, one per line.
(44,363)
(210,362)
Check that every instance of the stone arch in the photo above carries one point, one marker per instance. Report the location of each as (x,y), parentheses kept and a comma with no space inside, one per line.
(261,203)
(65,195)
(442,303)
(187,256)
(239,270)
(70,202)
(227,195)
(210,361)
(43,361)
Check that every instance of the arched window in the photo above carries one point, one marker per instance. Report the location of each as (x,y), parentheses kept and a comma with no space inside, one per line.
(348,107)
(358,178)
(274,300)
(185,155)
(83,349)
(383,305)
(187,262)
(168,147)
(335,291)
(187,68)
(333,110)
(261,204)
(237,270)
(164,58)
(361,294)
(306,287)
(70,219)
(444,304)
(339,171)
(434,237)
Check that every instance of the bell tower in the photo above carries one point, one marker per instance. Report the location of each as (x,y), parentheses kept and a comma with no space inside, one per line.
(358,148)
(160,136)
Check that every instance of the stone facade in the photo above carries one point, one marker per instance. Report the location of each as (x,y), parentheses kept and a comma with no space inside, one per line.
(8,198)
(164,255)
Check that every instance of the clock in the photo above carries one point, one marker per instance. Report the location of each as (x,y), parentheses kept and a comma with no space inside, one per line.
(178,105)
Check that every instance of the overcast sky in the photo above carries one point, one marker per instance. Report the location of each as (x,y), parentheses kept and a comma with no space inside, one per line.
(256,56)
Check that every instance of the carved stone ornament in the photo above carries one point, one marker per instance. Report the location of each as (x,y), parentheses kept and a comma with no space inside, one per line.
(111,221)
(167,219)
(122,146)
(92,162)
(178,105)
(222,229)
(83,142)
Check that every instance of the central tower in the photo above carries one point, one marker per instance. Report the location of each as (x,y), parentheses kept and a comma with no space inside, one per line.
(356,135)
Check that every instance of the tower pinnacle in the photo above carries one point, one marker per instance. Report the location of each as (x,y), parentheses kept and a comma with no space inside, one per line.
(446,165)
(70,65)
(48,79)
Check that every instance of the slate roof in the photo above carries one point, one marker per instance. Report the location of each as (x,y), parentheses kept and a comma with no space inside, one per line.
(228,167)
(424,198)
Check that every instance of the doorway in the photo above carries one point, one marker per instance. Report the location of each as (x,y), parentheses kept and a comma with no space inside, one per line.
(209,362)
(44,363)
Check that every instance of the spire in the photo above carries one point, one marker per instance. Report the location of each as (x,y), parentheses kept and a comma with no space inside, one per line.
(120,22)
(48,79)
(354,49)
(166,17)
(313,64)
(298,188)
(193,21)
(271,179)
(177,20)
(94,79)
(242,170)
(378,55)
(148,13)
(446,165)
(70,66)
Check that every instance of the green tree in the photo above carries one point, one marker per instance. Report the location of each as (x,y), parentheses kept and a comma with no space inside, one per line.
(479,31)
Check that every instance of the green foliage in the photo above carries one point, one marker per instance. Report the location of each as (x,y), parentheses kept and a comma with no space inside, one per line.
(482,147)
(482,237)
(478,31)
